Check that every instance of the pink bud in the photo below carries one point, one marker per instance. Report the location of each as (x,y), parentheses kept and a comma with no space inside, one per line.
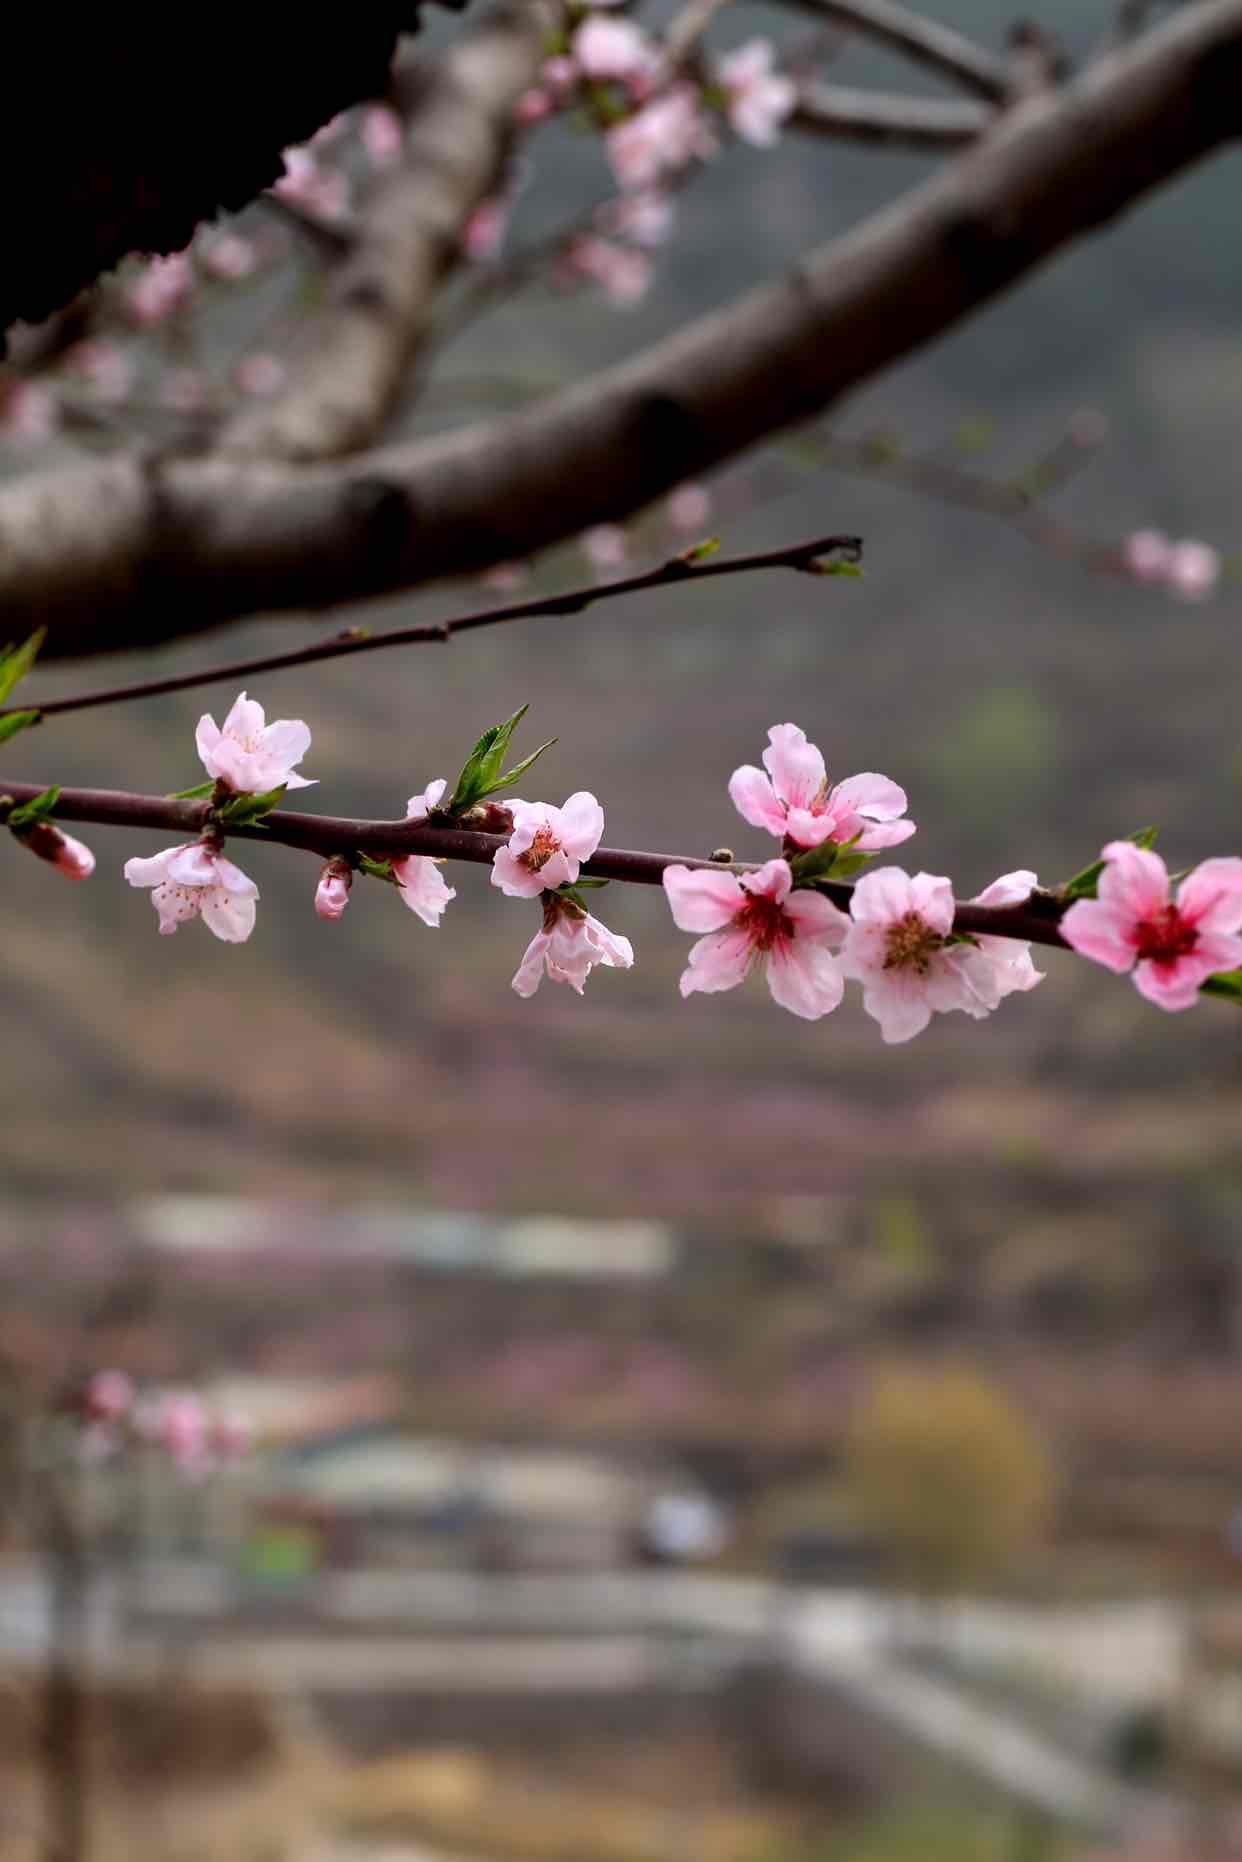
(1146,554)
(332,892)
(109,1396)
(606,547)
(67,855)
(532,106)
(1193,569)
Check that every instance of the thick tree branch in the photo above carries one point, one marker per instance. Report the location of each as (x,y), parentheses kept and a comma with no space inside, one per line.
(941,48)
(459,127)
(122,553)
(844,114)
(1035,921)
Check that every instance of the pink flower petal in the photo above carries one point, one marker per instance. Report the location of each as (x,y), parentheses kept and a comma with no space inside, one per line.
(817,917)
(881,897)
(717,962)
(1134,879)
(795,766)
(228,915)
(1102,932)
(702,900)
(582,825)
(869,794)
(423,887)
(753,796)
(773,880)
(804,978)
(1171,986)
(1009,889)
(1211,897)
(896,1000)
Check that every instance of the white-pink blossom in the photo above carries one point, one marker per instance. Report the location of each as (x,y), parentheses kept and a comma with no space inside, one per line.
(606,548)
(423,887)
(623,273)
(661,138)
(320,191)
(420,806)
(689,507)
(646,217)
(898,948)
(162,286)
(104,367)
(547,845)
(570,945)
(1146,555)
(27,411)
(227,255)
(613,48)
(109,1396)
(332,892)
(485,230)
(1193,569)
(196,880)
(756,917)
(1171,946)
(249,754)
(382,134)
(506,577)
(182,1431)
(759,98)
(796,801)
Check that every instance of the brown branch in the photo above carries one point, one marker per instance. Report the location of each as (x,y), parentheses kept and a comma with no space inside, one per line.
(120,554)
(845,114)
(408,238)
(944,50)
(1035,921)
(810,558)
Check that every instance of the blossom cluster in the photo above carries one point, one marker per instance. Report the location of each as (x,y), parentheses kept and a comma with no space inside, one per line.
(197,1438)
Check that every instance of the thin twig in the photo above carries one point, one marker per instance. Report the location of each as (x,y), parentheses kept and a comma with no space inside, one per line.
(846,114)
(925,41)
(1035,921)
(809,558)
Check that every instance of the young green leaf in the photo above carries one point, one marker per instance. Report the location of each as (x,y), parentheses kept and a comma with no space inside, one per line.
(510,776)
(15,663)
(1227,983)
(38,808)
(483,766)
(17,721)
(247,810)
(376,869)
(195,794)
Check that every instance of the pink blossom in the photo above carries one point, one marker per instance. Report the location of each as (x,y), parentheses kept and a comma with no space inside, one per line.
(1193,569)
(228,255)
(533,106)
(755,916)
(259,374)
(109,1396)
(382,133)
(69,856)
(547,845)
(689,508)
(613,48)
(560,75)
(1146,554)
(231,1435)
(898,948)
(568,948)
(162,286)
(420,806)
(332,892)
(196,880)
(795,801)
(1171,946)
(27,411)
(606,547)
(182,1430)
(320,191)
(107,369)
(664,136)
(249,754)
(759,98)
(506,577)
(646,218)
(423,887)
(485,230)
(623,273)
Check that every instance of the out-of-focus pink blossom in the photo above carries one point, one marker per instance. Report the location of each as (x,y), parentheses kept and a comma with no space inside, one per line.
(606,547)
(183,1431)
(559,75)
(382,133)
(1170,946)
(260,374)
(613,48)
(229,256)
(898,948)
(107,369)
(645,218)
(27,411)
(183,390)
(760,917)
(759,98)
(795,799)
(69,856)
(568,948)
(484,232)
(230,1436)
(332,892)
(423,887)
(664,136)
(1193,569)
(533,106)
(162,287)
(689,508)
(109,1397)
(1147,554)
(251,755)
(506,577)
(332,131)
(547,845)
(321,191)
(623,273)
(196,880)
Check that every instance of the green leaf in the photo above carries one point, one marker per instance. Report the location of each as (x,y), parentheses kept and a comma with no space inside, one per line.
(1227,983)
(1084,885)
(831,565)
(483,766)
(17,721)
(519,769)
(245,810)
(195,794)
(376,869)
(15,663)
(847,864)
(579,885)
(829,861)
(699,552)
(38,808)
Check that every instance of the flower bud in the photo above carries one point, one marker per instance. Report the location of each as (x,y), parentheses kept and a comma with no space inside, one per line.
(332,892)
(67,855)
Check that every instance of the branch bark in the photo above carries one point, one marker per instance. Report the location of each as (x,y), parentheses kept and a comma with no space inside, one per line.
(844,114)
(130,551)
(943,50)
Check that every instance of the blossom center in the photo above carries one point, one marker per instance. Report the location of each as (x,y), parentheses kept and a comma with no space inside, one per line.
(911,943)
(764,922)
(1166,937)
(541,849)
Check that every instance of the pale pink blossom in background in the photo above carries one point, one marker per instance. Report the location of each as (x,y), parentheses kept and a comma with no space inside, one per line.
(332,892)
(1193,569)
(162,287)
(484,232)
(606,547)
(229,256)
(1170,946)
(570,945)
(420,806)
(196,880)
(760,916)
(506,577)
(183,1431)
(27,411)
(646,218)
(260,374)
(1146,554)
(547,845)
(795,800)
(759,98)
(107,369)
(109,1396)
(231,1436)
(898,950)
(332,131)
(321,191)
(533,106)
(183,390)
(382,134)
(249,754)
(664,136)
(689,508)
(560,75)
(613,48)
(623,274)
(423,887)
